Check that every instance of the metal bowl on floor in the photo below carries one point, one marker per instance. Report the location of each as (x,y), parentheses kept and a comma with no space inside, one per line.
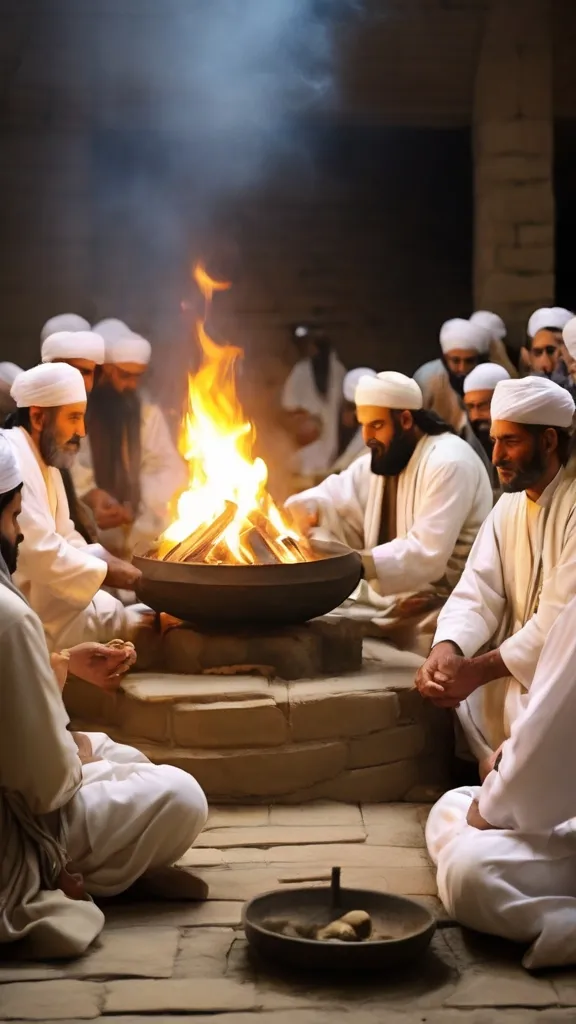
(402,929)
(244,594)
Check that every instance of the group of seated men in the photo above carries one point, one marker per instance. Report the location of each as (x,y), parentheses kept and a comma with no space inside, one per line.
(445,572)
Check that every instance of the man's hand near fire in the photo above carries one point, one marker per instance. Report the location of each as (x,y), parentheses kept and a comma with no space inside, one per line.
(108,512)
(305,516)
(121,575)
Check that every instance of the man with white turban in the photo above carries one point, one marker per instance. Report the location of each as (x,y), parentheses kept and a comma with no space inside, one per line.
(59,573)
(478,390)
(129,453)
(311,400)
(505,851)
(350,443)
(496,328)
(543,349)
(8,374)
(463,344)
(78,813)
(520,574)
(413,507)
(63,322)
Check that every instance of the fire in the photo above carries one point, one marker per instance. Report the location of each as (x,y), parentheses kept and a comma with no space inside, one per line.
(226,514)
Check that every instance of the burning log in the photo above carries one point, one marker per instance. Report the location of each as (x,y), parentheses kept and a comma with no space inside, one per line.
(197,545)
(261,548)
(275,543)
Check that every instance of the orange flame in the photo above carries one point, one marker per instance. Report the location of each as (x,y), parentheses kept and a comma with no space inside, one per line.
(217,442)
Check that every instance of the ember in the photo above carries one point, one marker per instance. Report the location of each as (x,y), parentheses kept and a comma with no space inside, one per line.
(226,515)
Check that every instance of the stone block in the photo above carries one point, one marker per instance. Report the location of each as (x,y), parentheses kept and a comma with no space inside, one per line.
(130,952)
(257,723)
(341,644)
(386,746)
(280,835)
(380,783)
(535,234)
(532,259)
(50,1000)
(506,987)
(508,288)
(516,136)
(88,702)
(294,653)
(177,689)
(149,644)
(319,812)
(182,650)
(203,954)
(180,995)
(224,816)
(521,168)
(357,855)
(256,773)
(393,825)
(324,715)
(145,719)
(517,204)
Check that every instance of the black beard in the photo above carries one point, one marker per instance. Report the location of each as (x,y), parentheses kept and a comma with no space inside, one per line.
(9,552)
(395,458)
(527,476)
(113,421)
(481,429)
(59,456)
(456,381)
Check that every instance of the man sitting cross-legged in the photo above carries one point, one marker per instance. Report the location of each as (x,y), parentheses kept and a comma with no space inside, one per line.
(78,813)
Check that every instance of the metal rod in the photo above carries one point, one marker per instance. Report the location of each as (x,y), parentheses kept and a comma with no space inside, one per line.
(335,887)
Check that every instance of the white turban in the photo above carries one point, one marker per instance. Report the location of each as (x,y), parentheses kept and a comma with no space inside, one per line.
(389,390)
(10,473)
(554,317)
(128,349)
(351,379)
(8,374)
(485,377)
(112,329)
(491,321)
(48,386)
(569,336)
(64,322)
(463,334)
(73,345)
(536,400)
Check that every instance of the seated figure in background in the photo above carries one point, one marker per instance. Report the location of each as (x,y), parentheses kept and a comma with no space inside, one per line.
(478,390)
(413,507)
(79,814)
(350,443)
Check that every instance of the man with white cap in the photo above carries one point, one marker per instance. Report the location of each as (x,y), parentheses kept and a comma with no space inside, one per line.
(63,322)
(129,453)
(463,344)
(520,573)
(496,328)
(8,374)
(505,851)
(413,507)
(544,339)
(59,573)
(85,351)
(478,391)
(78,813)
(350,442)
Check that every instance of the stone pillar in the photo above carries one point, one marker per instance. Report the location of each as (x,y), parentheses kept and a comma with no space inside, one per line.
(513,158)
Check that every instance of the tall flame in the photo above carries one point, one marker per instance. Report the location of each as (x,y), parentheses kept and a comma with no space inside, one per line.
(217,441)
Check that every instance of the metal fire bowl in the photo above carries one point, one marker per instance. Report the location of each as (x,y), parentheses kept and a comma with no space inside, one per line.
(407,925)
(245,594)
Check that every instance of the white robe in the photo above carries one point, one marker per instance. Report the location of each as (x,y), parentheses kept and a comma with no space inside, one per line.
(519,880)
(112,820)
(443,497)
(162,474)
(57,574)
(520,575)
(300,392)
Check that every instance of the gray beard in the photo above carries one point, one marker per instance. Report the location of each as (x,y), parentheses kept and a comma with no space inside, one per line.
(53,455)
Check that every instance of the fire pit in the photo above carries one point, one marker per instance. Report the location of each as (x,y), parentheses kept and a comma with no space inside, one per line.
(231,555)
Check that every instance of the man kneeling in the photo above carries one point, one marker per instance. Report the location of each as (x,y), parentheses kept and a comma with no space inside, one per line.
(78,814)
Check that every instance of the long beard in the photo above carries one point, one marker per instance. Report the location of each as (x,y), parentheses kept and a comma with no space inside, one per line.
(113,422)
(9,552)
(391,461)
(481,429)
(58,456)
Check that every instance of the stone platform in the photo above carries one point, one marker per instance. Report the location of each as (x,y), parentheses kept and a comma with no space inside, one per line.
(291,717)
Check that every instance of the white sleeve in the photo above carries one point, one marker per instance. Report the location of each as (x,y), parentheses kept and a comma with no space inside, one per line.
(521,651)
(533,790)
(341,499)
(477,605)
(421,557)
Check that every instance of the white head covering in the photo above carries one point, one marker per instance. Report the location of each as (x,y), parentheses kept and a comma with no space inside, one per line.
(485,377)
(569,336)
(463,334)
(8,374)
(549,316)
(351,379)
(73,345)
(493,323)
(48,386)
(128,349)
(389,390)
(10,474)
(111,329)
(64,322)
(536,400)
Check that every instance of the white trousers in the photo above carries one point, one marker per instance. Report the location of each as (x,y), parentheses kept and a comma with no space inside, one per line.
(129,816)
(518,885)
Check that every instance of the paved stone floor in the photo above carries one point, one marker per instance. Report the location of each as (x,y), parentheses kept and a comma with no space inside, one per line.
(172,962)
